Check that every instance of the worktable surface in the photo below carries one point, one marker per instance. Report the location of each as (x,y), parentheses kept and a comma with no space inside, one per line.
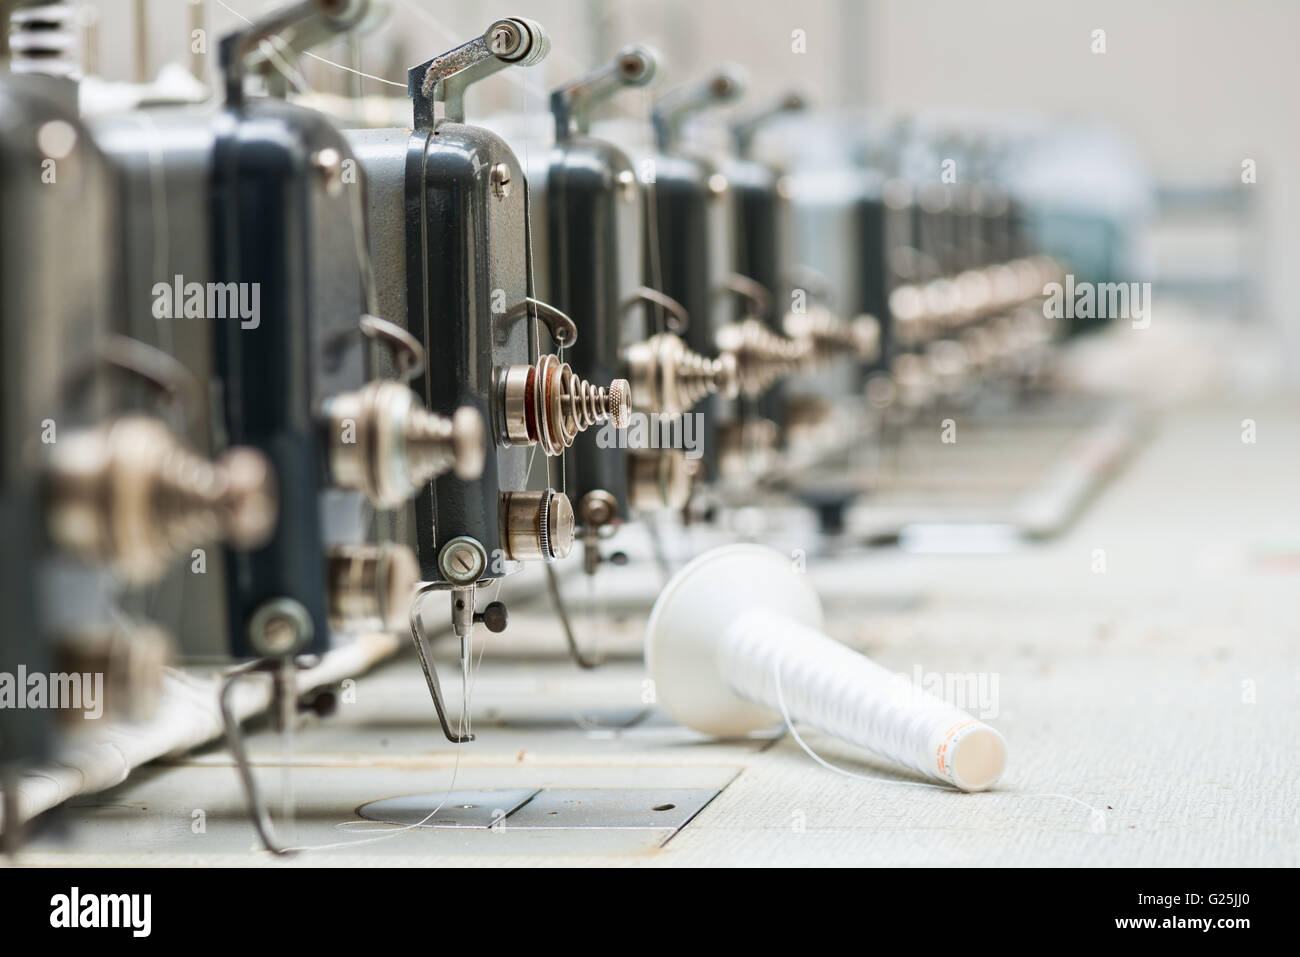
(1150,709)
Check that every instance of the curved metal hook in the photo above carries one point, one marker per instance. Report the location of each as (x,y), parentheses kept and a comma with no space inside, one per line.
(562,612)
(562,329)
(408,353)
(118,353)
(751,290)
(235,741)
(430,670)
(676,317)
(814,282)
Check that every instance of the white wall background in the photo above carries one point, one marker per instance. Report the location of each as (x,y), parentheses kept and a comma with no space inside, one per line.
(1198,85)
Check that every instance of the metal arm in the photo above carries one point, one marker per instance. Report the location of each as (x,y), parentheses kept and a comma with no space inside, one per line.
(572,105)
(745,130)
(437,87)
(292,29)
(673,108)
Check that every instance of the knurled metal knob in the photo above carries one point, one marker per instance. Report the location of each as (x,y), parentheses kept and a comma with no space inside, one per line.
(129,494)
(370,586)
(384,443)
(538,525)
(829,337)
(658,479)
(669,378)
(762,356)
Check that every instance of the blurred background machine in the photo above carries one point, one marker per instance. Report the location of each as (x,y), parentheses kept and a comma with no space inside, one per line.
(367,299)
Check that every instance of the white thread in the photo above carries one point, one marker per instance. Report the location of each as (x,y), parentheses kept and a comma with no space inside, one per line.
(285,68)
(789,726)
(348,69)
(843,693)
(462,725)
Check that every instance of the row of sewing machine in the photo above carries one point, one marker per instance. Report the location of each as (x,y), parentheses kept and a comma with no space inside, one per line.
(270,382)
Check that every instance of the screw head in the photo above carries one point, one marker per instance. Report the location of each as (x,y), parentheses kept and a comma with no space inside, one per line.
(627,186)
(278,635)
(724,85)
(500,180)
(504,38)
(598,508)
(279,627)
(462,560)
(329,167)
(636,66)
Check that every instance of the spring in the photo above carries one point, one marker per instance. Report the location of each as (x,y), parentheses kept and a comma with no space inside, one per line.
(698,376)
(762,356)
(583,403)
(43,39)
(430,443)
(570,404)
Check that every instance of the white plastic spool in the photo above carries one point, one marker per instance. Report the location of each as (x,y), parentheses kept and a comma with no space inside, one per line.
(739,618)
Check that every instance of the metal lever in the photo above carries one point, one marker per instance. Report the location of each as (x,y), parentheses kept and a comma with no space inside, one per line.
(437,87)
(281,671)
(431,670)
(672,109)
(572,105)
(744,131)
(562,613)
(288,30)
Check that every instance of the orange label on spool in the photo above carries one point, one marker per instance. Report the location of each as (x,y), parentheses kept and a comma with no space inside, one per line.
(947,739)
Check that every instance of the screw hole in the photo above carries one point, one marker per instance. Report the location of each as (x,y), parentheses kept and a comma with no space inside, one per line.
(663,807)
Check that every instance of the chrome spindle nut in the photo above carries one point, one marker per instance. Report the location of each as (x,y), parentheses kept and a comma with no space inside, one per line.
(538,525)
(129,494)
(384,443)
(370,586)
